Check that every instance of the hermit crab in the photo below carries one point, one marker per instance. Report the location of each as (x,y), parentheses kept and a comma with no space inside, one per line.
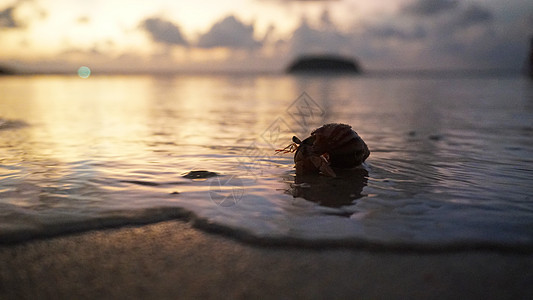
(330,146)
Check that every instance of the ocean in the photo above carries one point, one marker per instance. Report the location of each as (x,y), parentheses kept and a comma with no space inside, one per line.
(451,163)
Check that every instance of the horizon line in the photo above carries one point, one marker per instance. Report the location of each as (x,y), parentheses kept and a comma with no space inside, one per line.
(363,73)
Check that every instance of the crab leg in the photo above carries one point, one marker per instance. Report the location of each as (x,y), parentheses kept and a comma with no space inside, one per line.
(322,164)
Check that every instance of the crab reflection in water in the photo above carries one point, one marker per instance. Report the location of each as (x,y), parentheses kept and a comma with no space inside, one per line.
(337,191)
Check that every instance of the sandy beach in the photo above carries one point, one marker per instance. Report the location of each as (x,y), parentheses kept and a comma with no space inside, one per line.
(175,261)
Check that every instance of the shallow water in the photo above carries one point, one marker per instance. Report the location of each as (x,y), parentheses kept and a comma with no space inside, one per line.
(451,161)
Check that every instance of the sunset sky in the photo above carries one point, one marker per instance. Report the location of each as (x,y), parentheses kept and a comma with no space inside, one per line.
(212,35)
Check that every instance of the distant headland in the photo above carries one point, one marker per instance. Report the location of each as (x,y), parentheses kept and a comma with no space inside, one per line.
(324,64)
(6,71)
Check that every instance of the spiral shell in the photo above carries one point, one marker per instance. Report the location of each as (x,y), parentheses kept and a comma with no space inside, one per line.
(344,147)
(332,145)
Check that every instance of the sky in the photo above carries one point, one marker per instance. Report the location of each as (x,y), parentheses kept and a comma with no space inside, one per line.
(262,35)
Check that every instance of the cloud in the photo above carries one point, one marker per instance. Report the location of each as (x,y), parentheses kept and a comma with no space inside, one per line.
(299,1)
(389,31)
(475,14)
(307,39)
(463,36)
(422,34)
(7,19)
(21,14)
(453,18)
(441,34)
(406,34)
(430,7)
(230,33)
(325,19)
(83,20)
(452,15)
(163,31)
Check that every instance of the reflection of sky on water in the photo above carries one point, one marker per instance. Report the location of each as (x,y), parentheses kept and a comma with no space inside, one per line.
(449,159)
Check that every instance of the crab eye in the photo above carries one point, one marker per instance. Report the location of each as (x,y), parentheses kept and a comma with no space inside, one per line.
(296,140)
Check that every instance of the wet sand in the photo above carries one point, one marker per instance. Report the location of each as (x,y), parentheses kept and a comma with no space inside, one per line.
(174,260)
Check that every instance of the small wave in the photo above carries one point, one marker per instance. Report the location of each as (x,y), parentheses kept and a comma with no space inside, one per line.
(13,234)
(117,219)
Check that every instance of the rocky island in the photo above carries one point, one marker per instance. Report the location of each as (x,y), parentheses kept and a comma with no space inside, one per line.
(324,64)
(6,71)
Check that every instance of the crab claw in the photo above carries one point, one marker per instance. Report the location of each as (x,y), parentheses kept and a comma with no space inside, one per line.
(322,164)
(296,140)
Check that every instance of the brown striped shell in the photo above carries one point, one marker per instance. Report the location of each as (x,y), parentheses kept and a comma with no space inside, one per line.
(338,145)
(344,147)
